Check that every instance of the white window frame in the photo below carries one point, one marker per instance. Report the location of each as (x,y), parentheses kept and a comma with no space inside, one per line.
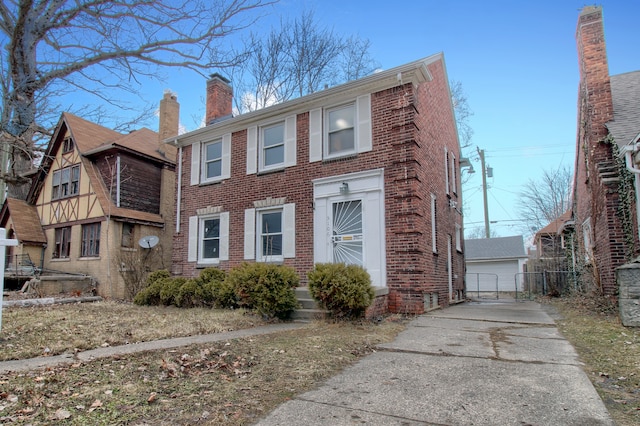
(253,233)
(434,245)
(261,155)
(261,256)
(454,181)
(255,146)
(325,141)
(198,163)
(363,142)
(204,161)
(446,169)
(196,234)
(458,237)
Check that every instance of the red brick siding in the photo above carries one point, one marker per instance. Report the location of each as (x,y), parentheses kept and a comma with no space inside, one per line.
(408,139)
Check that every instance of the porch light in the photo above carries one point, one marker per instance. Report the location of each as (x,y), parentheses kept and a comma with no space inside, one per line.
(344,188)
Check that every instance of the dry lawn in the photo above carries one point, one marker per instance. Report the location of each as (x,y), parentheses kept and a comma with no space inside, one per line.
(610,351)
(234,382)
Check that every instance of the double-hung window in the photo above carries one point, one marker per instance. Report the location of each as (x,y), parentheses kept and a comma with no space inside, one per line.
(62,243)
(340,130)
(90,240)
(270,238)
(270,232)
(208,237)
(272,146)
(212,160)
(340,124)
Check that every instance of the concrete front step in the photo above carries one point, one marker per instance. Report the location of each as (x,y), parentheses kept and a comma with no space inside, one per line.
(309,309)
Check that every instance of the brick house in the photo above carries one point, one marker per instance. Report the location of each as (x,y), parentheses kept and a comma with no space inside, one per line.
(95,194)
(604,205)
(363,173)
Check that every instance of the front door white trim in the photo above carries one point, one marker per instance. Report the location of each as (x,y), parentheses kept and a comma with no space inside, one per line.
(367,187)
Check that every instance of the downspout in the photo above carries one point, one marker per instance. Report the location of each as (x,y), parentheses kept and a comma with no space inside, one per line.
(118,180)
(179,189)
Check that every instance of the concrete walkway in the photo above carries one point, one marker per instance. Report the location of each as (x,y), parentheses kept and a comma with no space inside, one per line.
(489,363)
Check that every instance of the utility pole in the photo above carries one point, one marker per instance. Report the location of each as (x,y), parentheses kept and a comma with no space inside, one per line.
(484,193)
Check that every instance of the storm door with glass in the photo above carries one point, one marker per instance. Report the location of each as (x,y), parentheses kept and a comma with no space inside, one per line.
(347,236)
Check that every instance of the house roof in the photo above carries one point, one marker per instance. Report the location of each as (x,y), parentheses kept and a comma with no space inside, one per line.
(495,248)
(413,72)
(27,228)
(556,225)
(625,92)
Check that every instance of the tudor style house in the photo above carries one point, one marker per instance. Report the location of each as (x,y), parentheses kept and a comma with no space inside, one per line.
(604,209)
(364,173)
(97,192)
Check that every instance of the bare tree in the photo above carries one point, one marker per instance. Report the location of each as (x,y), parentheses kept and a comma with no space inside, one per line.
(546,199)
(463,113)
(295,59)
(99,47)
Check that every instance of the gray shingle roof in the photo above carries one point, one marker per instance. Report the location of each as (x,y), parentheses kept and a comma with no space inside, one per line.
(625,91)
(495,248)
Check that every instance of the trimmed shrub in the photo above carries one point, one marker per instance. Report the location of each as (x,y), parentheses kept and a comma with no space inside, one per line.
(189,294)
(344,290)
(150,295)
(214,290)
(265,288)
(170,289)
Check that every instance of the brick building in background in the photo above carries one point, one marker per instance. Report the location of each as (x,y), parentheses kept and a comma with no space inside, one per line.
(364,173)
(604,206)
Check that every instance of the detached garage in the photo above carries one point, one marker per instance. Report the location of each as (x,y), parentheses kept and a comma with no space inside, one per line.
(492,264)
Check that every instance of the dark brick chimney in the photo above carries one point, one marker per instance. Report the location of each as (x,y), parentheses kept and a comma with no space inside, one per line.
(219,99)
(594,68)
(169,119)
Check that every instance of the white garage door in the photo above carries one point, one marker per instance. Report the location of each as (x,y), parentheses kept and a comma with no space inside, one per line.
(481,276)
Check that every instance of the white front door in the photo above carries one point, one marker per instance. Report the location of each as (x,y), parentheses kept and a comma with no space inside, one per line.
(348,223)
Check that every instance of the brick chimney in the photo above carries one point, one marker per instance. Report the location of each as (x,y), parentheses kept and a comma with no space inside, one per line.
(594,68)
(169,118)
(219,99)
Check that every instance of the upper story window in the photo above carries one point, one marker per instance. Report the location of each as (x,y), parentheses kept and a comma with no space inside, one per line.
(67,145)
(454,180)
(446,170)
(341,133)
(340,130)
(271,146)
(66,182)
(211,161)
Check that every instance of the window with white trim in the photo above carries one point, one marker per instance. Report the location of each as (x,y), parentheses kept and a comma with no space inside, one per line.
(208,238)
(211,161)
(272,146)
(458,237)
(270,233)
(340,130)
(454,183)
(446,170)
(434,246)
(340,137)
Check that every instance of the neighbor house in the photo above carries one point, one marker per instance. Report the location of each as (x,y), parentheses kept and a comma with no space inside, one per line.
(604,201)
(96,194)
(364,173)
(495,264)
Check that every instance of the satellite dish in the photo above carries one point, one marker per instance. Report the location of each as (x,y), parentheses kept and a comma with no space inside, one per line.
(148,241)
